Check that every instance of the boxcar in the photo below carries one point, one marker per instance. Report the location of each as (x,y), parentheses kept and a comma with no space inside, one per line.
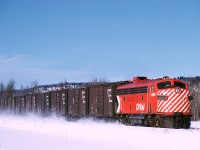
(83,102)
(28,103)
(39,98)
(73,102)
(47,108)
(63,102)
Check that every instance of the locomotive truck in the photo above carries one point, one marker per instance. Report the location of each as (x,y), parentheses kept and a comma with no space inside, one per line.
(162,102)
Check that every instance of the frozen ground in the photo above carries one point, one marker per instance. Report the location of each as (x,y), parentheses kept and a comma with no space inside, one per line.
(34,133)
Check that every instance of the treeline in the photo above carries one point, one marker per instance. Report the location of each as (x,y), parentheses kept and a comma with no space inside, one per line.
(9,90)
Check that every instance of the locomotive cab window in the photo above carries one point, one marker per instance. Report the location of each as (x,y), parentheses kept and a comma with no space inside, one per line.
(179,84)
(164,85)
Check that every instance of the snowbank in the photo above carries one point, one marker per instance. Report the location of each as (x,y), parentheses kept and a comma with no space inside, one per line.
(35,133)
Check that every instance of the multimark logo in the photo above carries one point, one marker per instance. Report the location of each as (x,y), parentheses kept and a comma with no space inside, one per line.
(140,106)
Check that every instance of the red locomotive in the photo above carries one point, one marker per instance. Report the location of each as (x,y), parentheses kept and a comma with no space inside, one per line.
(162,102)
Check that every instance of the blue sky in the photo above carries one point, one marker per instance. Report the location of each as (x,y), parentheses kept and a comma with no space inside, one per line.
(75,40)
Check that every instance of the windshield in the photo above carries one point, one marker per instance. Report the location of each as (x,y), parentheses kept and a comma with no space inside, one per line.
(163,85)
(167,84)
(179,84)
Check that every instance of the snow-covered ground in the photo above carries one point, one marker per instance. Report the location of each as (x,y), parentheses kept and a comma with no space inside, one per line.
(35,133)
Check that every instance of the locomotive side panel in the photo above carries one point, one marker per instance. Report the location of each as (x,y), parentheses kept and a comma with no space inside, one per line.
(133,100)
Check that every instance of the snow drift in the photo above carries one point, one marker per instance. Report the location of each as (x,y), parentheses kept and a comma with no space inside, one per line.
(52,133)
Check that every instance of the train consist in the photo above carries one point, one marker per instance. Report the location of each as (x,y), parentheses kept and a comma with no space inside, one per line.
(162,102)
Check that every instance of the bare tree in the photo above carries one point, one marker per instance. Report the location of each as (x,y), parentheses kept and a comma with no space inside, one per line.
(99,80)
(34,87)
(34,84)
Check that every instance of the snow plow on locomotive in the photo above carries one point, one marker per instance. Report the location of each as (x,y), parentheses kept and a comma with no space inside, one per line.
(163,102)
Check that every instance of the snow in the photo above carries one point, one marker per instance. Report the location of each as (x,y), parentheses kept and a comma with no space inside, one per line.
(52,133)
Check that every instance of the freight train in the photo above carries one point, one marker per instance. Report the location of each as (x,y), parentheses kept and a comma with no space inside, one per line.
(162,102)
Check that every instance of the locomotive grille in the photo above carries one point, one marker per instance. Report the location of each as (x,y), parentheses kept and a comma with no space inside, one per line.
(132,90)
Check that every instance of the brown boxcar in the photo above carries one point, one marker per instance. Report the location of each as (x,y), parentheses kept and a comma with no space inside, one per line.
(70,99)
(28,103)
(47,108)
(18,105)
(63,102)
(2,101)
(6,103)
(54,101)
(1,104)
(23,104)
(96,101)
(13,104)
(73,101)
(102,99)
(76,102)
(110,99)
(83,102)
(33,103)
(9,100)
(93,96)
(39,98)
(58,100)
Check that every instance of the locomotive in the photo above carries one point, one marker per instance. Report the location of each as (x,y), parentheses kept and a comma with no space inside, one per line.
(162,102)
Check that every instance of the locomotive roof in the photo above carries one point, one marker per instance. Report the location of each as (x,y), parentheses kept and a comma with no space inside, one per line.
(137,82)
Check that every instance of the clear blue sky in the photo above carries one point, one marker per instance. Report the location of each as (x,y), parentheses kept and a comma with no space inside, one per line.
(55,40)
